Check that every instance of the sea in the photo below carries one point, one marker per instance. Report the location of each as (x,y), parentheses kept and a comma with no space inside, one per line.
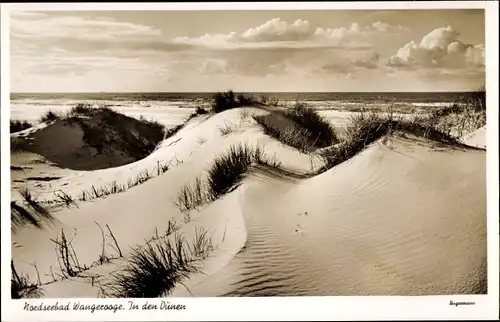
(30,106)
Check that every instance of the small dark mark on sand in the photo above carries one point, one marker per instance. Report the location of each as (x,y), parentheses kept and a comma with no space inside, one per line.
(43,178)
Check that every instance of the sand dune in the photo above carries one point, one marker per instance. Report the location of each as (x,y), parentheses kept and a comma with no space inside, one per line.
(476,138)
(390,221)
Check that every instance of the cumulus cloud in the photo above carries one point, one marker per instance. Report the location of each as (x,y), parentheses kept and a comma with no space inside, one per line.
(280,33)
(278,30)
(439,48)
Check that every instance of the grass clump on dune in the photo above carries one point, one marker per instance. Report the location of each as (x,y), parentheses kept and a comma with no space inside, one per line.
(306,131)
(225,172)
(155,269)
(308,118)
(366,128)
(227,169)
(32,212)
(293,135)
(17,126)
(465,115)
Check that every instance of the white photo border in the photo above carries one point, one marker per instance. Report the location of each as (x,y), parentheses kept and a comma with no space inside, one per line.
(273,308)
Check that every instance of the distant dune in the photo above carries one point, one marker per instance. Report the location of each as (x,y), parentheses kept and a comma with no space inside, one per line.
(95,139)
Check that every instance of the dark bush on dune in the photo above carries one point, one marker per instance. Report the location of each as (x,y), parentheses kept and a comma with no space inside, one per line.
(81,109)
(292,135)
(17,126)
(200,111)
(49,116)
(308,130)
(308,118)
(228,100)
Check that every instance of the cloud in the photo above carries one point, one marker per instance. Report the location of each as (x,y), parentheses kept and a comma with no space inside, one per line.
(439,48)
(278,30)
(297,34)
(35,25)
(214,66)
(369,62)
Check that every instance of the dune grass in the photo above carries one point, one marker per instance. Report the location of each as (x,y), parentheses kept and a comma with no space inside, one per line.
(223,175)
(227,169)
(309,119)
(307,130)
(365,128)
(227,128)
(17,126)
(153,270)
(30,213)
(465,115)
(293,135)
(21,287)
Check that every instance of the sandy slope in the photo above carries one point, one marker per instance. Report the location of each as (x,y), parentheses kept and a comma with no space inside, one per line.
(476,138)
(392,220)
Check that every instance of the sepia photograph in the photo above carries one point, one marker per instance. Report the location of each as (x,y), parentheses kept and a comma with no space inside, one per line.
(246,153)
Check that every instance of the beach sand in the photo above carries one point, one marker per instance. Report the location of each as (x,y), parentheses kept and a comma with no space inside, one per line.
(404,217)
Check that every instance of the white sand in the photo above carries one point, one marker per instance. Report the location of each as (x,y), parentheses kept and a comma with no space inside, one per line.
(402,217)
(476,138)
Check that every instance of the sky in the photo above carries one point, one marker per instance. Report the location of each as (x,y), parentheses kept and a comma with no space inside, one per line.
(251,51)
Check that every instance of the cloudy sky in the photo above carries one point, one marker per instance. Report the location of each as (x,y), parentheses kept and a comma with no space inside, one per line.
(161,51)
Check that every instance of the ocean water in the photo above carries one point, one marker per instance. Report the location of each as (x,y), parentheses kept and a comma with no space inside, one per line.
(30,106)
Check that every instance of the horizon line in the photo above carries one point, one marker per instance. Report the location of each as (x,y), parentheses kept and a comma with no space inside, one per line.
(210,92)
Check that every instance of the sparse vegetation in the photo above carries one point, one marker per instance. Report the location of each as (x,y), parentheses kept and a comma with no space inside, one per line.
(465,115)
(365,128)
(227,128)
(21,287)
(17,126)
(154,269)
(224,174)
